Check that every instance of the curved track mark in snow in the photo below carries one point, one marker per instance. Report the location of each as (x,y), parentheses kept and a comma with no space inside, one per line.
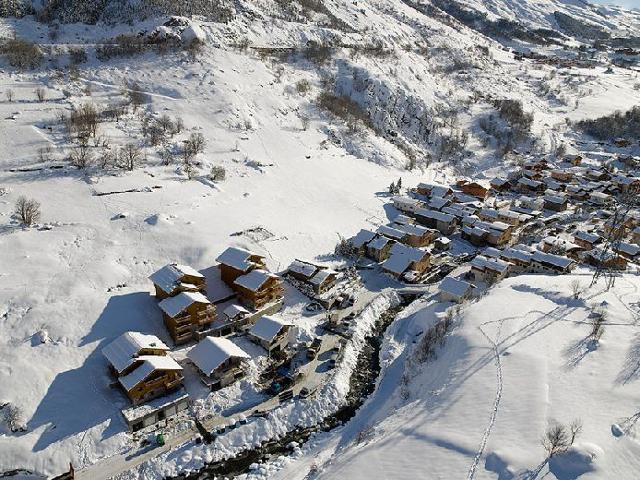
(496,403)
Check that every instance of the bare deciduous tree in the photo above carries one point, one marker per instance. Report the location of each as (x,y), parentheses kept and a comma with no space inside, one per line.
(576,288)
(9,94)
(558,438)
(131,156)
(27,210)
(80,156)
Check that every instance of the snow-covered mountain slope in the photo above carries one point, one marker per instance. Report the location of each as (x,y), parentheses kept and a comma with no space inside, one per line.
(517,362)
(297,172)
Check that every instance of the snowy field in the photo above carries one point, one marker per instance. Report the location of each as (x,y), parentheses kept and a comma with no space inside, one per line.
(78,279)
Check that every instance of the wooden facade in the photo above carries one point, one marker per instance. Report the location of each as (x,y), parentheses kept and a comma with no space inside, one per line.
(185,317)
(157,384)
(174,278)
(259,288)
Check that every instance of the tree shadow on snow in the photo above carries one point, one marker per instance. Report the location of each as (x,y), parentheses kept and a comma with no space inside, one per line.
(631,368)
(577,351)
(82,398)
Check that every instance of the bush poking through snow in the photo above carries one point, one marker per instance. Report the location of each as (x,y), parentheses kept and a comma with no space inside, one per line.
(81,156)
(576,288)
(130,156)
(9,94)
(344,248)
(27,211)
(598,320)
(303,87)
(218,173)
(558,438)
(14,418)
(433,338)
(22,54)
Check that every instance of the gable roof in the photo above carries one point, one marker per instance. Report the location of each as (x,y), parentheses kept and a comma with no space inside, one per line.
(553,260)
(232,311)
(173,306)
(322,276)
(303,268)
(401,258)
(455,287)
(362,238)
(238,258)
(150,364)
(212,352)
(268,327)
(254,280)
(124,350)
(168,278)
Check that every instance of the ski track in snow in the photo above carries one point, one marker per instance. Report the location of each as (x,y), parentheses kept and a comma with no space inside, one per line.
(496,403)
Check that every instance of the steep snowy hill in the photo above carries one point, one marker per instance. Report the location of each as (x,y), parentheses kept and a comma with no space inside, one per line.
(308,111)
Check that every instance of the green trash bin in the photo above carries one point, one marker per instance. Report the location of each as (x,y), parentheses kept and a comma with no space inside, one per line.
(160,439)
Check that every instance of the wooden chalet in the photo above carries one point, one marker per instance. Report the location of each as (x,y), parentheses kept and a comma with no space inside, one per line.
(406,204)
(500,184)
(407,263)
(586,240)
(488,269)
(175,278)
(519,256)
(142,366)
(542,262)
(259,288)
(433,190)
(627,250)
(562,175)
(474,189)
(454,290)
(187,314)
(361,240)
(235,262)
(220,361)
(318,277)
(378,249)
(527,185)
(555,202)
(272,333)
(601,258)
(443,222)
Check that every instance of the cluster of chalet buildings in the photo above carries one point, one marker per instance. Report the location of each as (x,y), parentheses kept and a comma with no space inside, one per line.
(495,216)
(142,364)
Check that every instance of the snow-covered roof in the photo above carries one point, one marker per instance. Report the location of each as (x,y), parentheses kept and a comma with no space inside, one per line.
(406,201)
(455,287)
(173,306)
(435,215)
(529,183)
(401,257)
(237,258)
(587,237)
(391,232)
(628,248)
(403,219)
(232,311)
(124,350)
(212,352)
(168,277)
(435,190)
(438,202)
(303,268)
(150,364)
(517,254)
(498,182)
(553,260)
(363,237)
(254,280)
(417,230)
(322,276)
(268,327)
(379,243)
(483,263)
(558,199)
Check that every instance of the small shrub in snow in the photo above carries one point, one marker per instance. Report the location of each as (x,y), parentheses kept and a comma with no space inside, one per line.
(303,87)
(9,94)
(195,144)
(22,54)
(27,211)
(576,288)
(344,248)
(14,418)
(304,120)
(218,173)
